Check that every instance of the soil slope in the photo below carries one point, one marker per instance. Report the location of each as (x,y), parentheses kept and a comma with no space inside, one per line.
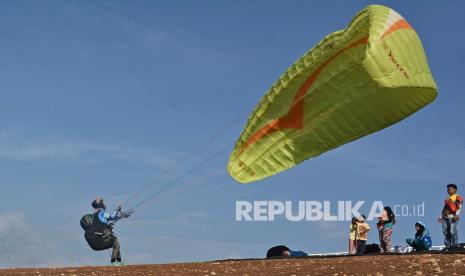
(413,264)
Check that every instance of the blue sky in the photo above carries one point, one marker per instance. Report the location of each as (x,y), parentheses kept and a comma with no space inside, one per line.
(99,97)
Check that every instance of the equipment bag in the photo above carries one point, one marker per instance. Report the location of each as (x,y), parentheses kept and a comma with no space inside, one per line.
(100,240)
(98,235)
(276,251)
(372,248)
(86,221)
(458,248)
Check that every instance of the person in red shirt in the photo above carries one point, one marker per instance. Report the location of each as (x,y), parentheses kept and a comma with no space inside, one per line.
(450,216)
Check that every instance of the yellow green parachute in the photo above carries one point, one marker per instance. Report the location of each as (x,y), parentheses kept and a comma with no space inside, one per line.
(354,82)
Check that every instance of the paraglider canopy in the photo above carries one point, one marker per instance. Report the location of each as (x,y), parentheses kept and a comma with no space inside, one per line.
(353,83)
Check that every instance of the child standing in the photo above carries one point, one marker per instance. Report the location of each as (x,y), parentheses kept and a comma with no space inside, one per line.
(450,217)
(362,234)
(353,236)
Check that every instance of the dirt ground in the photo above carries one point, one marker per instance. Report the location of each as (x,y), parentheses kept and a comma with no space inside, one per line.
(412,264)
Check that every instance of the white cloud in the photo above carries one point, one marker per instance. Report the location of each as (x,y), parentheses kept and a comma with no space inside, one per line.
(27,244)
(22,245)
(17,148)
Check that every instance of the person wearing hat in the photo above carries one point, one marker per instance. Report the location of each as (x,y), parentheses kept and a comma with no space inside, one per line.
(422,240)
(362,234)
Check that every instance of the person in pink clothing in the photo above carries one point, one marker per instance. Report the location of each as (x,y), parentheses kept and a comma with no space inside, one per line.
(385,223)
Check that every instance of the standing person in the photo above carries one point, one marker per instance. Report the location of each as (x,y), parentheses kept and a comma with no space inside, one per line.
(353,236)
(362,234)
(450,217)
(385,223)
(422,241)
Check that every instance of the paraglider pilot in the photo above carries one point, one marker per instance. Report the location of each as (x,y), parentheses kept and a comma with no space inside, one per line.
(99,229)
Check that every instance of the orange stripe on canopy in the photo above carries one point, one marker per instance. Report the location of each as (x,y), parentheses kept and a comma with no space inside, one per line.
(295,117)
(400,24)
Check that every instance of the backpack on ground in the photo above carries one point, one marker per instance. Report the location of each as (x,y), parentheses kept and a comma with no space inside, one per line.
(372,248)
(458,248)
(276,251)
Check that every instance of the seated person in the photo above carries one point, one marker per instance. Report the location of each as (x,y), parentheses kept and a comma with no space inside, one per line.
(422,240)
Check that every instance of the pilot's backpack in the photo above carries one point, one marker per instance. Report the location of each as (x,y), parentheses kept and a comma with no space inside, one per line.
(98,235)
(86,221)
